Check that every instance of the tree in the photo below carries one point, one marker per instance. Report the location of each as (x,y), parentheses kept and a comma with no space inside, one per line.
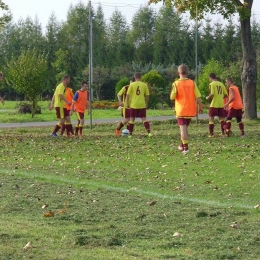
(5,18)
(226,8)
(27,75)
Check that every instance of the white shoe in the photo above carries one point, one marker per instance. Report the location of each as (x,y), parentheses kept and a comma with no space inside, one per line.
(180,148)
(185,152)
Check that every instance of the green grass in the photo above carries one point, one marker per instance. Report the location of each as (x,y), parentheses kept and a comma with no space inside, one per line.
(100,189)
(8,113)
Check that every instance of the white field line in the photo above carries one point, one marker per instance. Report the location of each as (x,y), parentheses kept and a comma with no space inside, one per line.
(92,184)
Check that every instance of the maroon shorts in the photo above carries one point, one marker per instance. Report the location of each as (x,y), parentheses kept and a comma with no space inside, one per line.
(141,112)
(214,111)
(183,121)
(80,115)
(126,113)
(225,112)
(232,112)
(67,112)
(60,112)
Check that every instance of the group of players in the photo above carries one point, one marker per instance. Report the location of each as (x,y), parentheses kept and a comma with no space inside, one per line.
(225,104)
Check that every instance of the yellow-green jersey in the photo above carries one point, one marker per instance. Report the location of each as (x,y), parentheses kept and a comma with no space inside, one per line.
(60,89)
(218,90)
(137,92)
(122,93)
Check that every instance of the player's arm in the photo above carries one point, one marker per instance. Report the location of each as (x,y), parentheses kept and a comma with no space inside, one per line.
(2,100)
(62,97)
(198,99)
(75,98)
(211,94)
(173,92)
(231,98)
(52,102)
(127,99)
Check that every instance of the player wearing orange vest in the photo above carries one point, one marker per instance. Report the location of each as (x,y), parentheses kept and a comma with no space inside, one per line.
(79,104)
(235,107)
(185,93)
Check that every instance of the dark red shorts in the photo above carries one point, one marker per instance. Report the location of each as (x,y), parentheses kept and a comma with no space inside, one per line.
(183,121)
(137,112)
(60,112)
(67,112)
(80,115)
(232,112)
(126,112)
(214,111)
(225,112)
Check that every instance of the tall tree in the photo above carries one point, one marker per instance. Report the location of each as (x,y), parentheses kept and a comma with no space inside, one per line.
(6,17)
(225,8)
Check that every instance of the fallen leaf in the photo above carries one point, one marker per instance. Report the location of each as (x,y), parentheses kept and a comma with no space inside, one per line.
(44,206)
(48,214)
(177,234)
(256,206)
(28,245)
(177,188)
(216,188)
(152,203)
(234,225)
(62,211)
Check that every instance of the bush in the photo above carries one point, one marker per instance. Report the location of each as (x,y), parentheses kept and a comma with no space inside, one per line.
(121,83)
(26,108)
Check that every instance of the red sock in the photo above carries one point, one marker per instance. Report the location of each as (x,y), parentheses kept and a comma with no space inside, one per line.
(223,125)
(228,125)
(77,130)
(56,128)
(211,129)
(67,129)
(62,129)
(80,130)
(120,126)
(241,127)
(147,126)
(131,128)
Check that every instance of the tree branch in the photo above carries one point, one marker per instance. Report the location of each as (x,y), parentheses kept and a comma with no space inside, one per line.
(238,2)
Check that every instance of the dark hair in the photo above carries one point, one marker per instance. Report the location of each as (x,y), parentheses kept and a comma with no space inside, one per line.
(218,78)
(137,75)
(84,82)
(132,79)
(66,77)
(212,75)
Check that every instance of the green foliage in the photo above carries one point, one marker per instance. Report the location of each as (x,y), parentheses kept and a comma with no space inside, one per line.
(27,75)
(157,87)
(121,83)
(6,17)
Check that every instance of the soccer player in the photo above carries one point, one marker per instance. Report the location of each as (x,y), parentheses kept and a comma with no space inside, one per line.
(121,95)
(217,93)
(185,93)
(234,106)
(1,78)
(137,98)
(60,102)
(79,105)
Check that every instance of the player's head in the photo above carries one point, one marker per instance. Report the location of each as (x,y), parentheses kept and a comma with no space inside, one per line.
(137,76)
(84,85)
(66,80)
(229,82)
(183,70)
(1,75)
(212,77)
(218,79)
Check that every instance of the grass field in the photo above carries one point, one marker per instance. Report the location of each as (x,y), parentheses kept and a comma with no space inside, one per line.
(107,197)
(8,113)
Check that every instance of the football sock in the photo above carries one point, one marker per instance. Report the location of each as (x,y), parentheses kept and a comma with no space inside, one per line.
(76,130)
(67,126)
(71,128)
(62,129)
(80,129)
(147,126)
(228,125)
(211,128)
(56,128)
(241,127)
(185,145)
(222,125)
(120,125)
(131,127)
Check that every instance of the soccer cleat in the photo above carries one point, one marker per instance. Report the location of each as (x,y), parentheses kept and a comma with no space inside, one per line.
(228,133)
(54,135)
(118,132)
(150,135)
(185,152)
(242,136)
(211,136)
(180,148)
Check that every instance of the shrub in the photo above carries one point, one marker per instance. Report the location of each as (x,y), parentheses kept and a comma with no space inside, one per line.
(26,108)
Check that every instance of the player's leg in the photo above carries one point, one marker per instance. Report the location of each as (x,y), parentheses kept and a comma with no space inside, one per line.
(77,125)
(222,124)
(60,115)
(240,123)
(125,114)
(142,114)
(81,124)
(211,126)
(132,120)
(183,124)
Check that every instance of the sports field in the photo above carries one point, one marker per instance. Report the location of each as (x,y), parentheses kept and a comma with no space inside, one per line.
(107,197)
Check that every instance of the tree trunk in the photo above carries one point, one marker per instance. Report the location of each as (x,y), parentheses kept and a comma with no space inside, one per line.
(249,70)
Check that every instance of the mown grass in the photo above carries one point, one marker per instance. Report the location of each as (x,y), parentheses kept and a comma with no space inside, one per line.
(9,114)
(121,198)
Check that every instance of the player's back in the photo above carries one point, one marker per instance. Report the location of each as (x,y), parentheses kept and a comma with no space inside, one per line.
(218,90)
(137,91)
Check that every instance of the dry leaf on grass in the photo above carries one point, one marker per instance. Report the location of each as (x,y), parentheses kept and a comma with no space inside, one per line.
(48,214)
(234,225)
(256,206)
(177,234)
(152,203)
(44,206)
(28,245)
